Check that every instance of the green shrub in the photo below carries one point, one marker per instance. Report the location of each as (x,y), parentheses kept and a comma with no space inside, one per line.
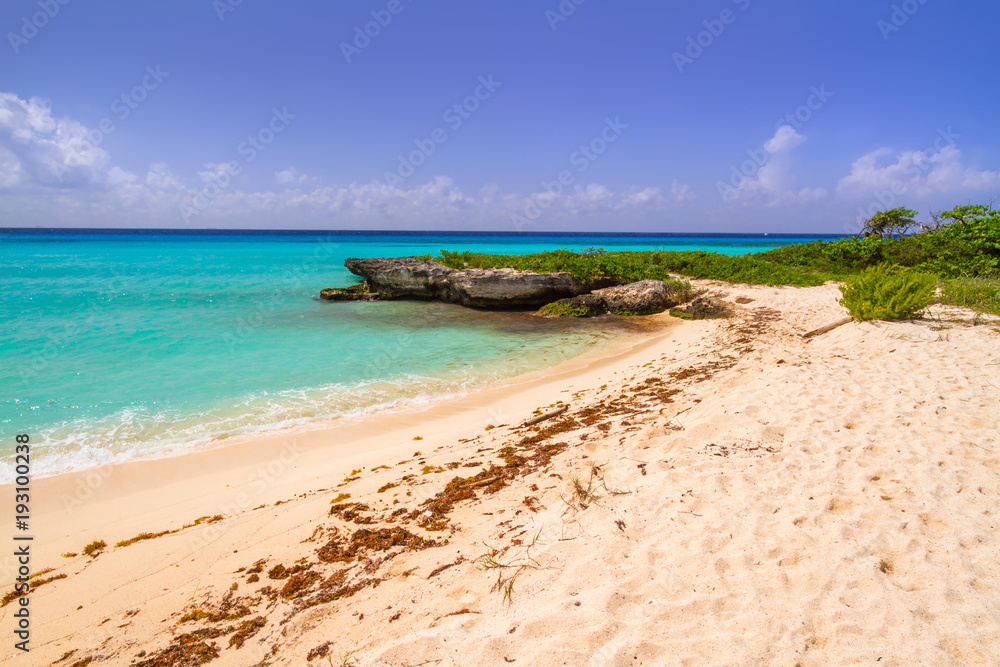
(963,242)
(894,222)
(456,260)
(631,266)
(976,293)
(966,244)
(887,292)
(561,310)
(680,291)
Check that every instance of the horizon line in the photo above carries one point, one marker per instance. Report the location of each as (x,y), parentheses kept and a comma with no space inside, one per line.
(403,232)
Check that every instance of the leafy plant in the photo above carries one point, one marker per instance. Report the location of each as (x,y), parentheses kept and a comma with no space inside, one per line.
(968,212)
(894,222)
(456,260)
(561,310)
(977,293)
(963,243)
(887,292)
(596,269)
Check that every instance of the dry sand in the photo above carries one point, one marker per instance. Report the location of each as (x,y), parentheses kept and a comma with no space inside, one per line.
(745,496)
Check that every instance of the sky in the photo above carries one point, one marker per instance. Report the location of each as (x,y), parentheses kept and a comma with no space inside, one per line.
(516,116)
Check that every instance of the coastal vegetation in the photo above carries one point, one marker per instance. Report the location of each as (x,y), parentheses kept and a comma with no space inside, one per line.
(887,292)
(958,252)
(562,310)
(632,266)
(981,294)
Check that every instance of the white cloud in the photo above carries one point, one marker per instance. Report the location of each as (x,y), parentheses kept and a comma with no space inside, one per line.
(681,191)
(917,173)
(51,152)
(784,139)
(10,169)
(654,198)
(289,176)
(161,178)
(642,197)
(214,171)
(767,175)
(52,170)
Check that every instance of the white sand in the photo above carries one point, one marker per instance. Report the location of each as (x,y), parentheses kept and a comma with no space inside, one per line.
(831,501)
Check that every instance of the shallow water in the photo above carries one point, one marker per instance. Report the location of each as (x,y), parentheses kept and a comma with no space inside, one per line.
(137,344)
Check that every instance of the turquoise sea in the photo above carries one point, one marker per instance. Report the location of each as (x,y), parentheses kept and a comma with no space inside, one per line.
(126,344)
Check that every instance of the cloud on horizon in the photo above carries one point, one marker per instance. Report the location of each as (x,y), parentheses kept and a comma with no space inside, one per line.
(52,172)
(41,153)
(918,173)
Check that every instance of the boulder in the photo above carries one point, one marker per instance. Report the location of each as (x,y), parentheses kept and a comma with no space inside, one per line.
(639,298)
(359,292)
(703,308)
(585,305)
(507,288)
(400,277)
(497,289)
(644,297)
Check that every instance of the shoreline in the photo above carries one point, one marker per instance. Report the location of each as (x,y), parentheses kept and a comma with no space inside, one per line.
(271,461)
(722,492)
(634,331)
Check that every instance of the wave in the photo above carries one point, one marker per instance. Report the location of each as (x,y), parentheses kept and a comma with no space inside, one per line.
(140,432)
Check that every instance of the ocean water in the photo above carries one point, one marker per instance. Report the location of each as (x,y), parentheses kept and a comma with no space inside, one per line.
(119,345)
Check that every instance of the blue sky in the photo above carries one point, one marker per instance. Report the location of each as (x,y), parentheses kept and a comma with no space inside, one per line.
(729,115)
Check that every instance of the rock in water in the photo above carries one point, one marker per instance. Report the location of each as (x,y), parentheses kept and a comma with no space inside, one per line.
(507,288)
(400,277)
(499,289)
(359,292)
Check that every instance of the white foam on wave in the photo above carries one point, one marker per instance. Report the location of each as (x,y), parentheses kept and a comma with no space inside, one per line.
(151,432)
(138,433)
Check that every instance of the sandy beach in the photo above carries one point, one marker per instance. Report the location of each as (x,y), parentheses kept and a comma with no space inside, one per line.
(721,492)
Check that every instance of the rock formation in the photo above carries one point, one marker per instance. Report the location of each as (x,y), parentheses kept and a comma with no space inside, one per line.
(509,289)
(703,308)
(359,292)
(639,298)
(497,289)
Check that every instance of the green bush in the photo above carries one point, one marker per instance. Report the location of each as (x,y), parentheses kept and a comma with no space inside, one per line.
(630,266)
(561,310)
(680,291)
(960,244)
(976,293)
(966,244)
(887,292)
(455,260)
